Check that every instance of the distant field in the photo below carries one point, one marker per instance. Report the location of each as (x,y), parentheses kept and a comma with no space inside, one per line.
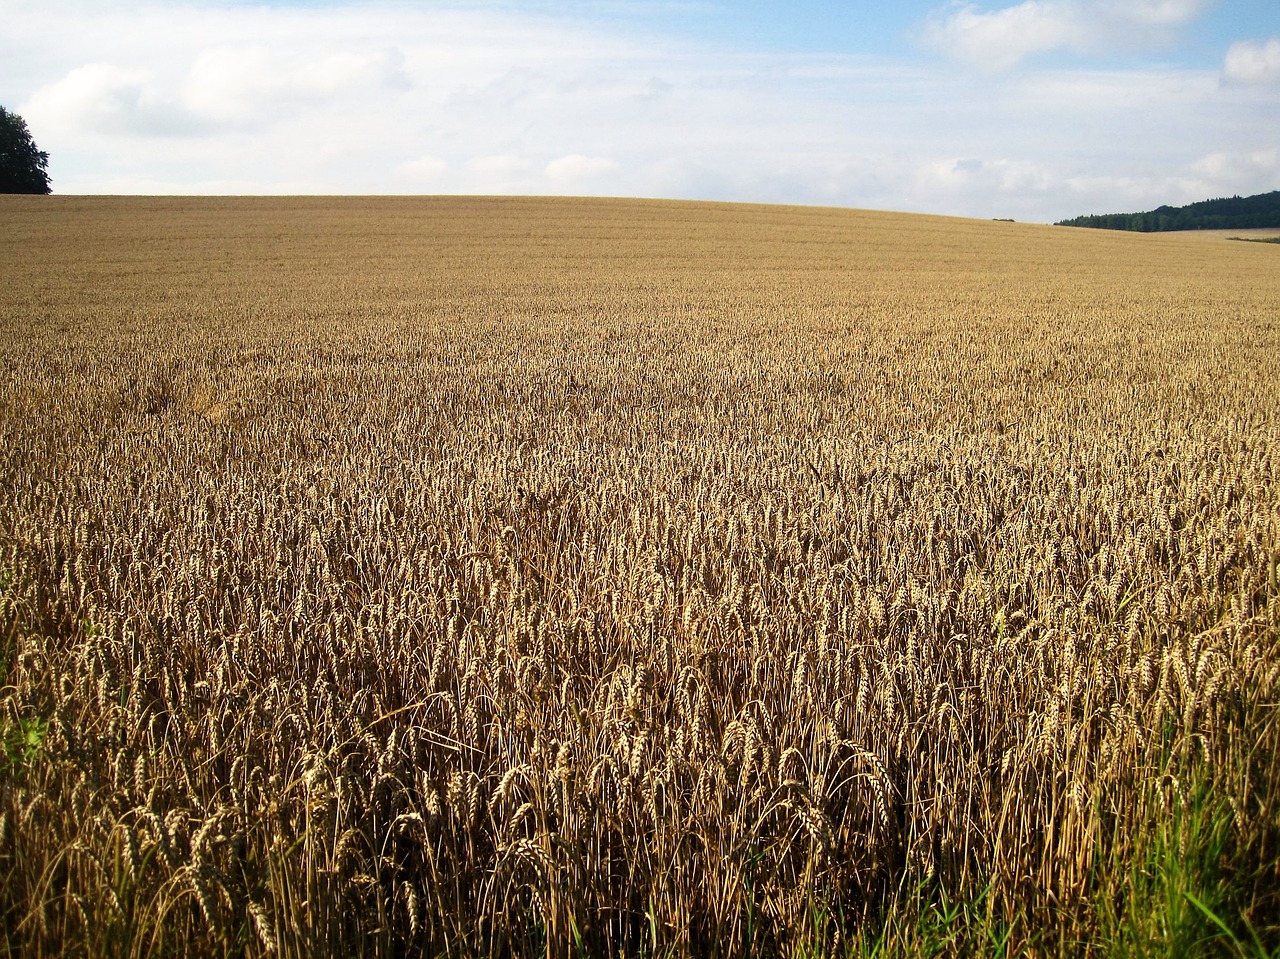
(1259,234)
(583,577)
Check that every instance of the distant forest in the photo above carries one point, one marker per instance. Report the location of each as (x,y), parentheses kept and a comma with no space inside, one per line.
(1235,213)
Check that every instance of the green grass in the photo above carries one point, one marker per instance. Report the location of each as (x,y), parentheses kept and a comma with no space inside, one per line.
(1174,896)
(924,925)
(1179,893)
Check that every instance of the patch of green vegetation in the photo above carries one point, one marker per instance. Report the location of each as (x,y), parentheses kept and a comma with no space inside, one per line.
(1174,895)
(22,741)
(20,738)
(926,925)
(1256,239)
(1177,890)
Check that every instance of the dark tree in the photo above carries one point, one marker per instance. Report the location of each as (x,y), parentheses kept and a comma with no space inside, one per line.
(22,166)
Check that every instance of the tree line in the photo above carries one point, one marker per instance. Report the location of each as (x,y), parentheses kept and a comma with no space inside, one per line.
(1230,213)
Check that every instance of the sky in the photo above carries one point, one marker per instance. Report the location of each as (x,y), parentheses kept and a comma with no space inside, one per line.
(1037,110)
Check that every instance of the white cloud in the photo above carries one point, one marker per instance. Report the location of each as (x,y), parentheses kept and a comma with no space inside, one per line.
(1218,174)
(246,82)
(107,98)
(577,168)
(1254,171)
(240,186)
(383,97)
(1157,12)
(425,167)
(1251,61)
(1002,185)
(1002,38)
(222,86)
(1142,97)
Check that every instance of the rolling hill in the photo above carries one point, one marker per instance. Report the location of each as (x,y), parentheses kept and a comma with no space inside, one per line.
(1231,213)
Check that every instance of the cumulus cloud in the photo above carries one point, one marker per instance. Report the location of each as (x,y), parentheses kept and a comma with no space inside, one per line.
(1002,184)
(1252,171)
(577,167)
(108,98)
(225,86)
(246,82)
(1252,61)
(1002,38)
(1217,174)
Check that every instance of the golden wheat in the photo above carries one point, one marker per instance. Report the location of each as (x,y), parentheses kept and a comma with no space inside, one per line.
(492,575)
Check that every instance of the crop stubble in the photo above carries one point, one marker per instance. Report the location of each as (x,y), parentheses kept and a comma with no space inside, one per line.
(474,574)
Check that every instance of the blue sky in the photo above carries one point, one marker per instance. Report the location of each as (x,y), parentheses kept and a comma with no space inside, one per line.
(814,26)
(1038,110)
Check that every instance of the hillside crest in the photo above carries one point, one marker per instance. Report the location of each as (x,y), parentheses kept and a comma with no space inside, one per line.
(1231,213)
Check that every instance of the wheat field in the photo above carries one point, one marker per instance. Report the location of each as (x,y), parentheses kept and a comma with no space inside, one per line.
(515,577)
